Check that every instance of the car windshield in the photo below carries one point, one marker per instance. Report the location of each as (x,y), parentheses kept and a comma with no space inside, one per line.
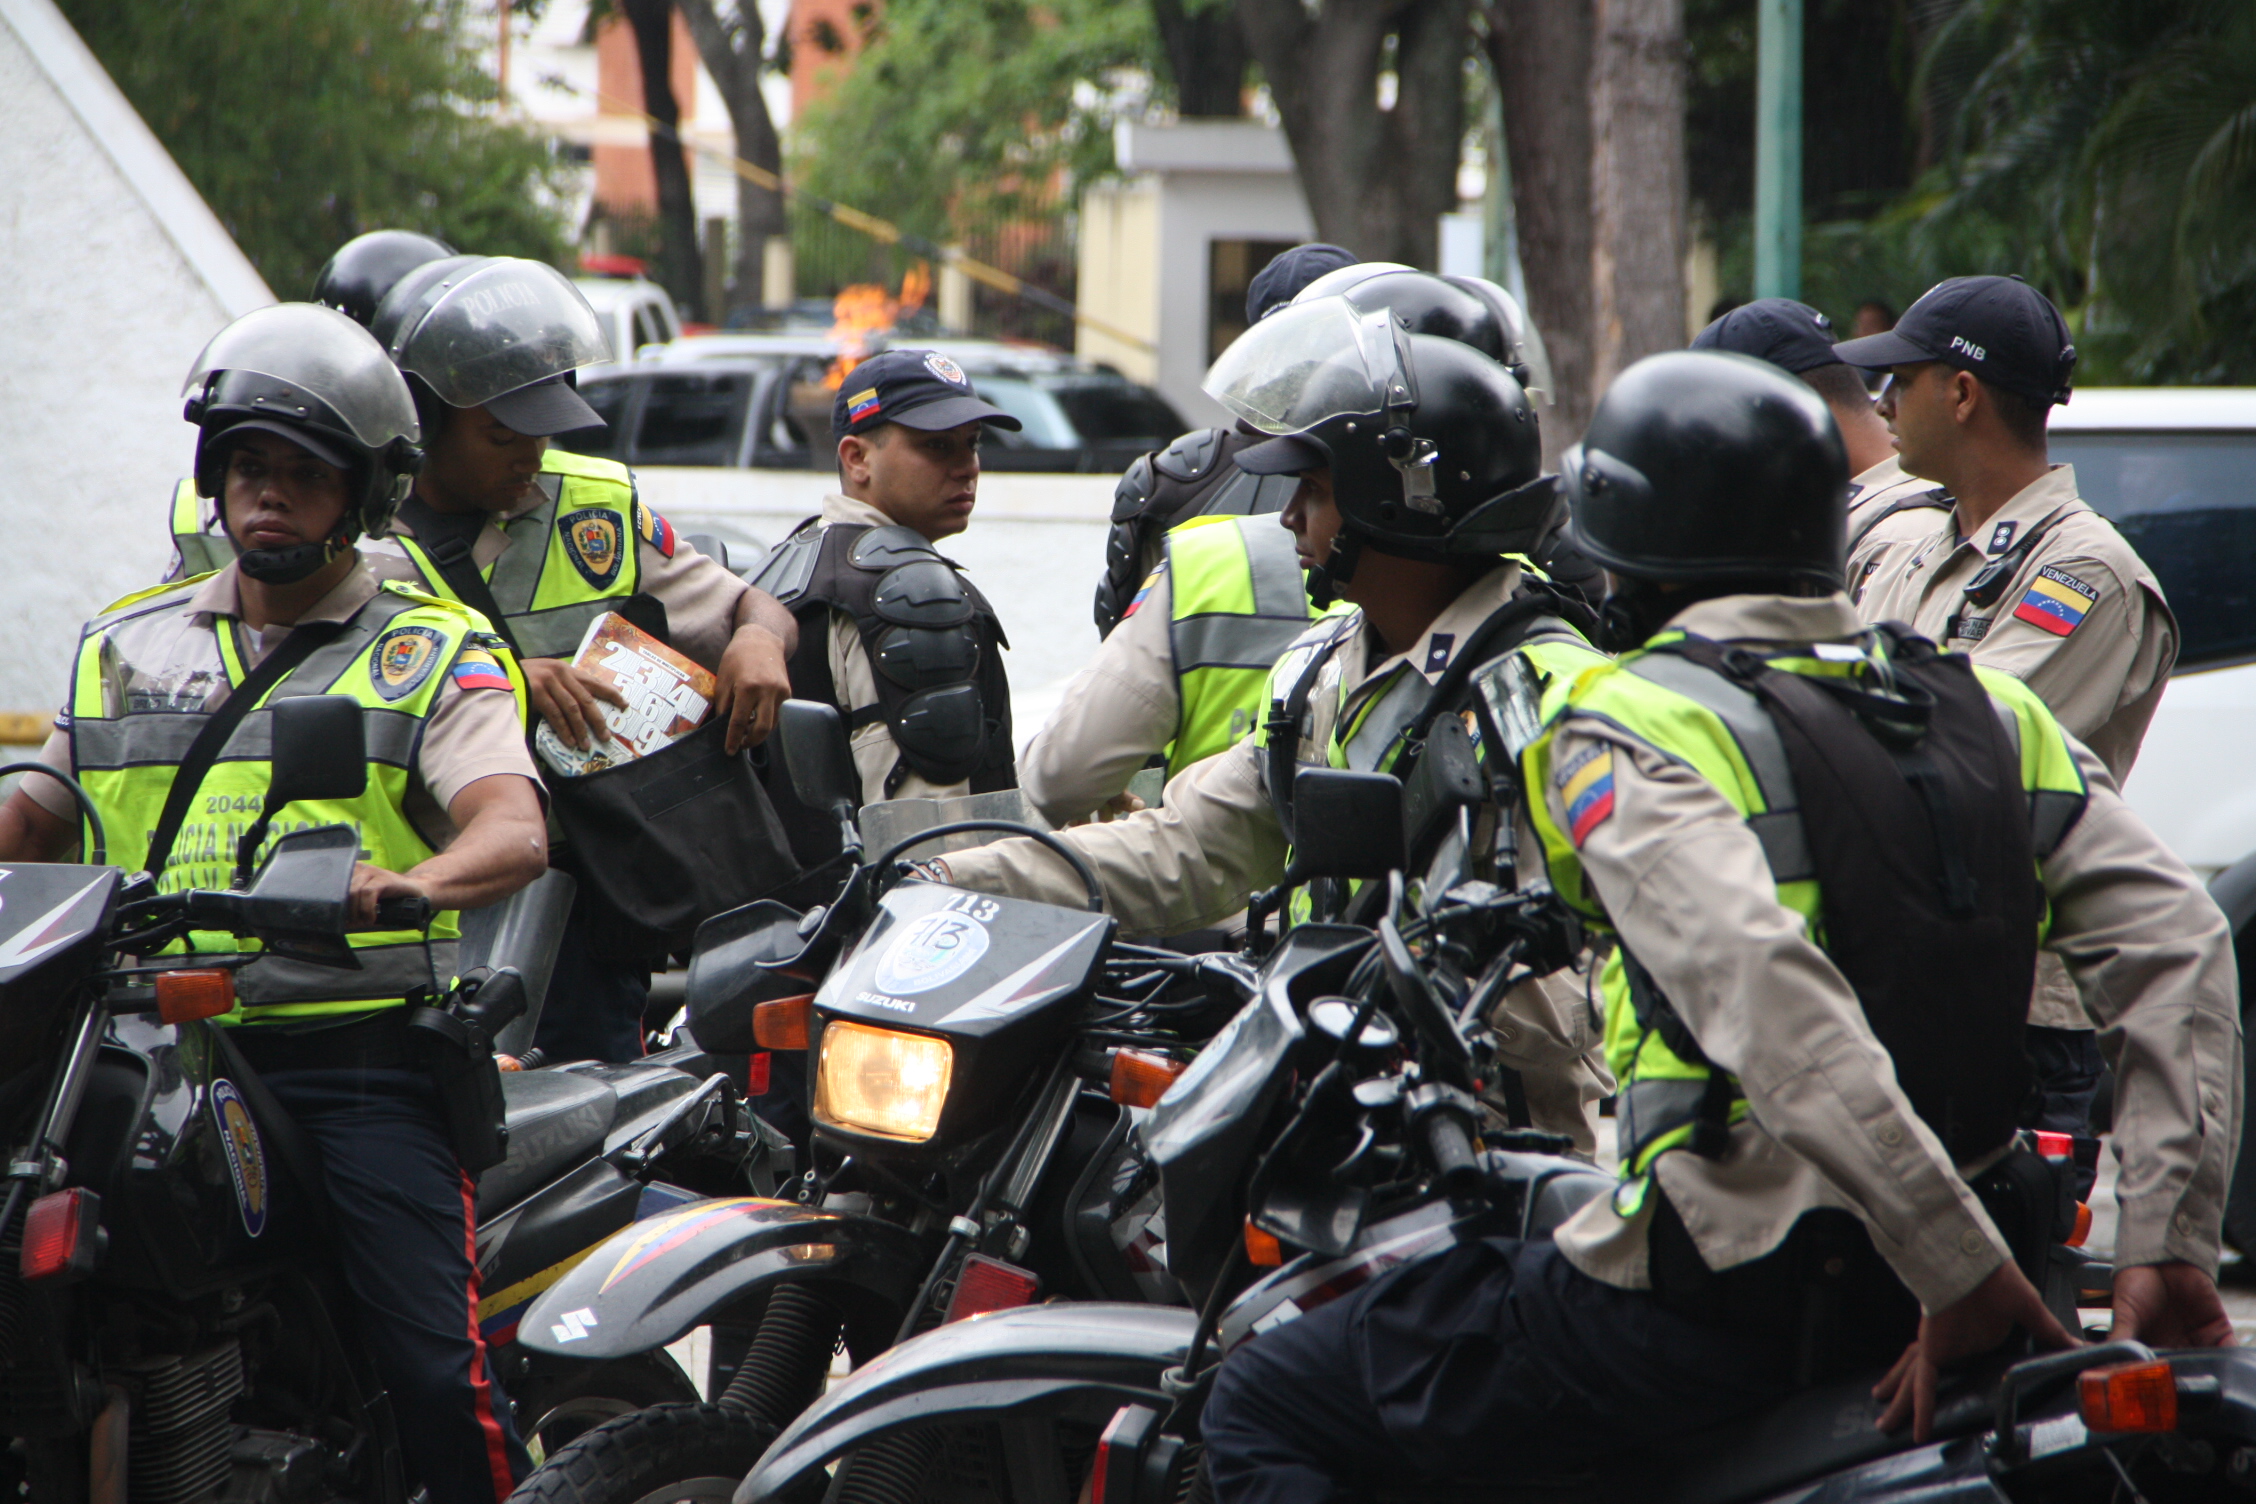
(609,399)
(692,419)
(1046,426)
(1117,412)
(2184,502)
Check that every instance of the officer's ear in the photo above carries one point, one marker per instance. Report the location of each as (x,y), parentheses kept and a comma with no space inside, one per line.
(854,451)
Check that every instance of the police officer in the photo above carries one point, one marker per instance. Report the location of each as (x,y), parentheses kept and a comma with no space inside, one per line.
(890,632)
(549,541)
(1420,466)
(1883,501)
(2020,571)
(1800,1115)
(306,436)
(1185,674)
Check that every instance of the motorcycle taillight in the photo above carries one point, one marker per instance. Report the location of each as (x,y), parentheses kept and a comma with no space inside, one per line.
(991,1285)
(61,1235)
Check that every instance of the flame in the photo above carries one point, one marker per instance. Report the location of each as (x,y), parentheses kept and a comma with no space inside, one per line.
(867,309)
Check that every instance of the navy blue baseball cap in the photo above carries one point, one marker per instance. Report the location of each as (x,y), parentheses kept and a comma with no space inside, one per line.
(920,389)
(1288,272)
(1792,336)
(1999,328)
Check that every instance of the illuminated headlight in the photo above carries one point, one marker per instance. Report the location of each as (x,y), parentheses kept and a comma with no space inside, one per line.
(881,1081)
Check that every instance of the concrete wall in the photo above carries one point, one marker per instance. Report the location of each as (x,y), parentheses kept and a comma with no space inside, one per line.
(116,275)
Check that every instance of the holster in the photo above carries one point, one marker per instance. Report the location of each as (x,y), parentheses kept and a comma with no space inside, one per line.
(461,1061)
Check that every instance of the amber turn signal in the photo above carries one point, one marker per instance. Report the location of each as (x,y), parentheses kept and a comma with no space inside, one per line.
(783,1023)
(183,996)
(2129,1397)
(1262,1248)
(1140,1077)
(2083,1225)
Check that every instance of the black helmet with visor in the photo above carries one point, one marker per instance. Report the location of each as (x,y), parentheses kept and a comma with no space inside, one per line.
(496,332)
(365,268)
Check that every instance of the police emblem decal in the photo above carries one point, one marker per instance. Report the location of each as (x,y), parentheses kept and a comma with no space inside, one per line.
(944,368)
(403,659)
(592,538)
(932,951)
(245,1155)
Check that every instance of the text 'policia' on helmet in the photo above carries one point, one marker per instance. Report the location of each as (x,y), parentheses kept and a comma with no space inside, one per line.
(485,326)
(366,267)
(1470,310)
(1705,468)
(313,376)
(1433,448)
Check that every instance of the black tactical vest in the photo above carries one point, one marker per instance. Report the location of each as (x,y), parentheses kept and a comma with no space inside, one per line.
(1196,476)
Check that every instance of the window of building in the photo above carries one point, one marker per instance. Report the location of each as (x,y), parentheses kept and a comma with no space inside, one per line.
(1231,266)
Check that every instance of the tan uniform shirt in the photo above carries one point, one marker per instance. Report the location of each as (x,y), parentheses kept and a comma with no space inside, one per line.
(703,601)
(471,733)
(1196,860)
(1122,707)
(1686,883)
(850,673)
(1886,503)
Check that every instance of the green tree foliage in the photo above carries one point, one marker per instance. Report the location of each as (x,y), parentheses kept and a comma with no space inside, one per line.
(305,122)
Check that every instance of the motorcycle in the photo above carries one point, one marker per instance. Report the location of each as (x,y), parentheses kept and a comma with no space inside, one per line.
(1326,1134)
(977,1064)
(170,1327)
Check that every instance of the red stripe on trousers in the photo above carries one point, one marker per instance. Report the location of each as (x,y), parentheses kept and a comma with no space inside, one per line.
(497,1453)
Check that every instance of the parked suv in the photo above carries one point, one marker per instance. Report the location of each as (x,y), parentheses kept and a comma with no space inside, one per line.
(761,400)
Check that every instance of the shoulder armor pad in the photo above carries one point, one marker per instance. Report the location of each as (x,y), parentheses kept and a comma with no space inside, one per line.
(883,548)
(1135,491)
(791,564)
(1192,457)
(922,593)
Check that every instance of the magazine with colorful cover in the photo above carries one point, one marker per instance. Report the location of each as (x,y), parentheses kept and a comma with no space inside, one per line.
(667,698)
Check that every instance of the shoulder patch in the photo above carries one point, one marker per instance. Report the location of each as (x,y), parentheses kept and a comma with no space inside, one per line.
(1586,787)
(595,538)
(477,668)
(654,530)
(1142,591)
(2056,602)
(402,659)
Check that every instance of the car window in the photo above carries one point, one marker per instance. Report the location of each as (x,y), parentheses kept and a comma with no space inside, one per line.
(692,419)
(1118,412)
(647,330)
(1045,426)
(2185,502)
(609,399)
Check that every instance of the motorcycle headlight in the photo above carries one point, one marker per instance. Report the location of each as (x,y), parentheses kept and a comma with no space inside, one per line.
(882,1081)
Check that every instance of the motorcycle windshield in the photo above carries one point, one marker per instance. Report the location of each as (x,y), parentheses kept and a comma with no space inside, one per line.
(1309,362)
(507,325)
(324,354)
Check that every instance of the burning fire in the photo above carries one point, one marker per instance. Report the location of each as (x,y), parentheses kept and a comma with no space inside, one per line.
(866,309)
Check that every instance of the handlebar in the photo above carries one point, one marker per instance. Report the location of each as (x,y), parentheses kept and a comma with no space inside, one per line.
(409,912)
(1058,848)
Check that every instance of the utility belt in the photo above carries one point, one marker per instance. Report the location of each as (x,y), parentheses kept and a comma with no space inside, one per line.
(1826,1293)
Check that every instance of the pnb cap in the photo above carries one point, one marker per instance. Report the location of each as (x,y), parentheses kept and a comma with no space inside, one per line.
(1288,273)
(1792,336)
(2000,328)
(920,389)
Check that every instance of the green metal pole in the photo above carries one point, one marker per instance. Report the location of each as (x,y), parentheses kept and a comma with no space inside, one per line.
(1778,149)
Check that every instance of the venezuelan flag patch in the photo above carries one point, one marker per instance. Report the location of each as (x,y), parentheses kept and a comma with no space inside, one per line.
(654,530)
(479,669)
(1586,785)
(862,405)
(2056,602)
(1149,581)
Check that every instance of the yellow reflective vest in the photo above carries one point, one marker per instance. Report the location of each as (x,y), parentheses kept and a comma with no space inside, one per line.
(1239,600)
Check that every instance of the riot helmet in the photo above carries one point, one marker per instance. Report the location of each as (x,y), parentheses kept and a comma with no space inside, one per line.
(495,332)
(366,267)
(1469,310)
(1433,447)
(310,375)
(1707,469)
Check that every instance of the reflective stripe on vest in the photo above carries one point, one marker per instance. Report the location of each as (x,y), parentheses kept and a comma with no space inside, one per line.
(200,551)
(126,758)
(1239,600)
(540,582)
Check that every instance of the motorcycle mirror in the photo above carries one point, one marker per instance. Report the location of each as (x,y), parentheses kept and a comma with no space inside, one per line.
(1346,825)
(296,905)
(316,750)
(818,759)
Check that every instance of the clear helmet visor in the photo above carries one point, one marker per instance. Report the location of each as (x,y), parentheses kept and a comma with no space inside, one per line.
(505,324)
(1309,362)
(326,355)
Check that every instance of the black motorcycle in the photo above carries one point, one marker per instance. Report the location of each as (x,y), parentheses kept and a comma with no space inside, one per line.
(170,1328)
(977,1064)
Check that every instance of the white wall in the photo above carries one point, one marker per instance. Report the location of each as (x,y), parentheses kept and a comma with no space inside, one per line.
(116,274)
(1195,210)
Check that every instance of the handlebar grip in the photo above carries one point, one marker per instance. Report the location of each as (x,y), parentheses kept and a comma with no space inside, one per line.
(412,912)
(1451,1147)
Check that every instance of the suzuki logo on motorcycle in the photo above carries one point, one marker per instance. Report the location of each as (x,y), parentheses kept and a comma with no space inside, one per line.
(246,1157)
(932,952)
(575,1326)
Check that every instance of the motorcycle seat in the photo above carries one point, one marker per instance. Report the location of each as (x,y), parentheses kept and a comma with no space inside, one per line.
(557,1118)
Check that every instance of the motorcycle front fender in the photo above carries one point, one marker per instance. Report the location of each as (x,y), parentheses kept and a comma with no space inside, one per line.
(1079,1361)
(648,1285)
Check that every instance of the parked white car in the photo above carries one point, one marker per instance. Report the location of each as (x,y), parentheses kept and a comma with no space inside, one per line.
(636,312)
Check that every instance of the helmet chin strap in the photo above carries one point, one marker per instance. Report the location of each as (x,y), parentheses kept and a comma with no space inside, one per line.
(1337,569)
(287,566)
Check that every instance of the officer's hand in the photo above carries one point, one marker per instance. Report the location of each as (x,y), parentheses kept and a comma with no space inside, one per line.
(755,681)
(1119,807)
(2170,1305)
(1977,1324)
(371,886)
(565,697)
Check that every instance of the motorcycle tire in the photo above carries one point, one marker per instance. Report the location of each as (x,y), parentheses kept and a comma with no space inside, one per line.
(557,1405)
(668,1454)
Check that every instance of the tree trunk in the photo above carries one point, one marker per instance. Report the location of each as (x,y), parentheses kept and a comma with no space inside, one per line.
(1207,54)
(730,47)
(1377,180)
(679,264)
(1637,194)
